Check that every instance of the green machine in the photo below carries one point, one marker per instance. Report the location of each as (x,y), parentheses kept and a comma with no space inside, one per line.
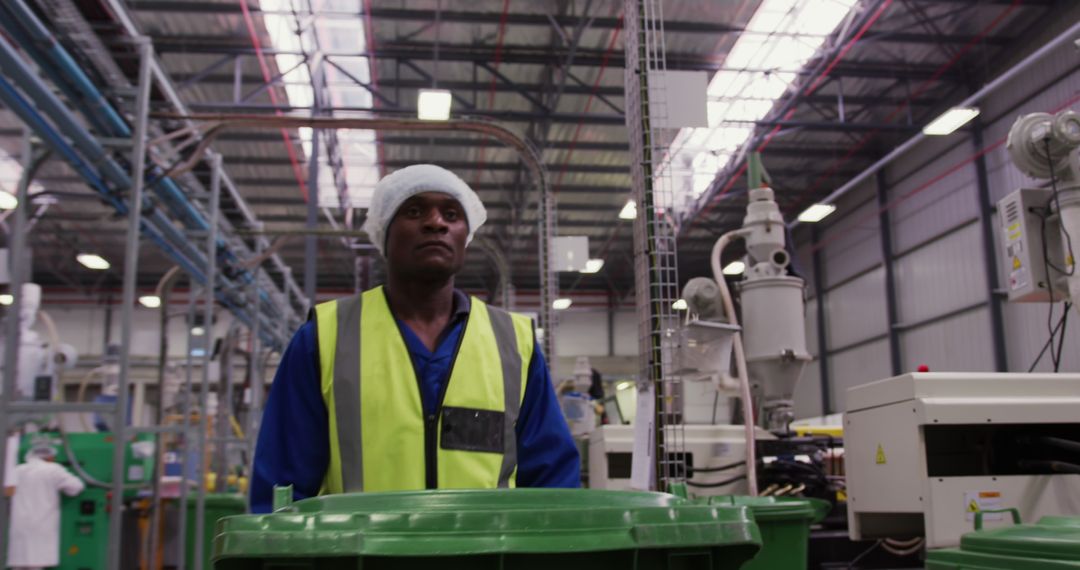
(84,519)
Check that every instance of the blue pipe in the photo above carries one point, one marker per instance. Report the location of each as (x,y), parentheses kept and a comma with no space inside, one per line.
(79,88)
(21,107)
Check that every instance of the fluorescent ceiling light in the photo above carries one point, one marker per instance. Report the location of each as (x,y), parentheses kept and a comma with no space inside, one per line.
(593,266)
(629,211)
(816,213)
(6,299)
(735,268)
(679,305)
(761,66)
(950,120)
(433,105)
(8,201)
(150,301)
(560,304)
(93,261)
(197,331)
(624,386)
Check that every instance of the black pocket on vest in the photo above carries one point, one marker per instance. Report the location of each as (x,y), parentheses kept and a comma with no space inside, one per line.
(465,429)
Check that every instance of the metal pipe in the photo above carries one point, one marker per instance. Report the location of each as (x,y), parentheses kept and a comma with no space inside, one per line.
(892,309)
(182,505)
(31,164)
(208,321)
(131,265)
(990,261)
(528,153)
(255,385)
(1065,38)
(12,64)
(163,291)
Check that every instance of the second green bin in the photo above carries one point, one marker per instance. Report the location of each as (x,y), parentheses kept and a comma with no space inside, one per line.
(563,529)
(785,529)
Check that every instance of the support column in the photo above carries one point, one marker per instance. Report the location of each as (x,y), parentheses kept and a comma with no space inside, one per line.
(822,329)
(311,241)
(986,221)
(208,326)
(891,307)
(127,307)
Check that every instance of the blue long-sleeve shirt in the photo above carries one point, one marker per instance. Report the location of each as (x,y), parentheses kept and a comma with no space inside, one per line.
(294,444)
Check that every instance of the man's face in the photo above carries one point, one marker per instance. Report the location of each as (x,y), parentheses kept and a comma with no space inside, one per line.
(426,238)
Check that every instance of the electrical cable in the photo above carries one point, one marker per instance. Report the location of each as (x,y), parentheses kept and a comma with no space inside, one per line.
(1061,339)
(723,483)
(717,469)
(1054,357)
(1057,204)
(1047,344)
(900,551)
(864,554)
(1060,442)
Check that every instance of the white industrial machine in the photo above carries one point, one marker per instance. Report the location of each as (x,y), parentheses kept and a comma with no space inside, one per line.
(925,451)
(769,360)
(1039,225)
(40,359)
(715,458)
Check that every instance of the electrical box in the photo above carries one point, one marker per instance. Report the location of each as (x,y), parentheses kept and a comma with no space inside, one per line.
(1025,227)
(924,452)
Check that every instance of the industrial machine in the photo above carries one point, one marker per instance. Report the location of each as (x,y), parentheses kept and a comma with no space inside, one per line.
(1039,224)
(926,451)
(84,519)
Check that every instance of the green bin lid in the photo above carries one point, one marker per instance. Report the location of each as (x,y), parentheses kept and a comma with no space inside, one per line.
(471,522)
(1060,521)
(769,508)
(1026,541)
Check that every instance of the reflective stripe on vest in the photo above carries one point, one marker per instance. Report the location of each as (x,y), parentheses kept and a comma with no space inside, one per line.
(380,439)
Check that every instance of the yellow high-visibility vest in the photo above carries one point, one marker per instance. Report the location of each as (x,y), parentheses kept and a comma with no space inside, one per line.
(380,439)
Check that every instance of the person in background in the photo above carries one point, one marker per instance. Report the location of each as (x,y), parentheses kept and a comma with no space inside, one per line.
(413,385)
(34,532)
(596,392)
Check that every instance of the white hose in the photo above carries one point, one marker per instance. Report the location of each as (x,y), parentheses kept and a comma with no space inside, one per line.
(740,359)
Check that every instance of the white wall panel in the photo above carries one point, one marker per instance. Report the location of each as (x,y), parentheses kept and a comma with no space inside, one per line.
(856,310)
(856,367)
(942,276)
(582,333)
(852,244)
(626,333)
(960,344)
(1026,332)
(936,205)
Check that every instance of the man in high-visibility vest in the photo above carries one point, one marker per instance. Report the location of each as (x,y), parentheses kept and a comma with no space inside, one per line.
(413,385)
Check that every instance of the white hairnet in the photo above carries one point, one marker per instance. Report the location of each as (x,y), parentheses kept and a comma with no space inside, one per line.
(400,185)
(42,451)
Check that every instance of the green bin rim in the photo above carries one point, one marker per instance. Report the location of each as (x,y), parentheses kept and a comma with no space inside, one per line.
(1026,541)
(770,508)
(478,522)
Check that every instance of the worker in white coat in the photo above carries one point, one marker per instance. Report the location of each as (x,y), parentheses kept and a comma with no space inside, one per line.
(35,509)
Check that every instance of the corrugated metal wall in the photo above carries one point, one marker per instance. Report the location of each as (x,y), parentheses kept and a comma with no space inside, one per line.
(938,257)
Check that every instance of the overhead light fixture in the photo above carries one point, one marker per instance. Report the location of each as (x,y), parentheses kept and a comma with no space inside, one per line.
(433,105)
(197,331)
(560,304)
(8,201)
(629,211)
(816,213)
(735,268)
(593,266)
(150,301)
(6,299)
(950,120)
(679,305)
(624,386)
(93,261)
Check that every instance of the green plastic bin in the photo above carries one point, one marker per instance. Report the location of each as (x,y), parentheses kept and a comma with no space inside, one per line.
(541,529)
(1051,544)
(218,505)
(785,528)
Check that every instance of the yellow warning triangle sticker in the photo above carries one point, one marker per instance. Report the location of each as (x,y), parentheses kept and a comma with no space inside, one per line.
(973,507)
(1016,263)
(880,455)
